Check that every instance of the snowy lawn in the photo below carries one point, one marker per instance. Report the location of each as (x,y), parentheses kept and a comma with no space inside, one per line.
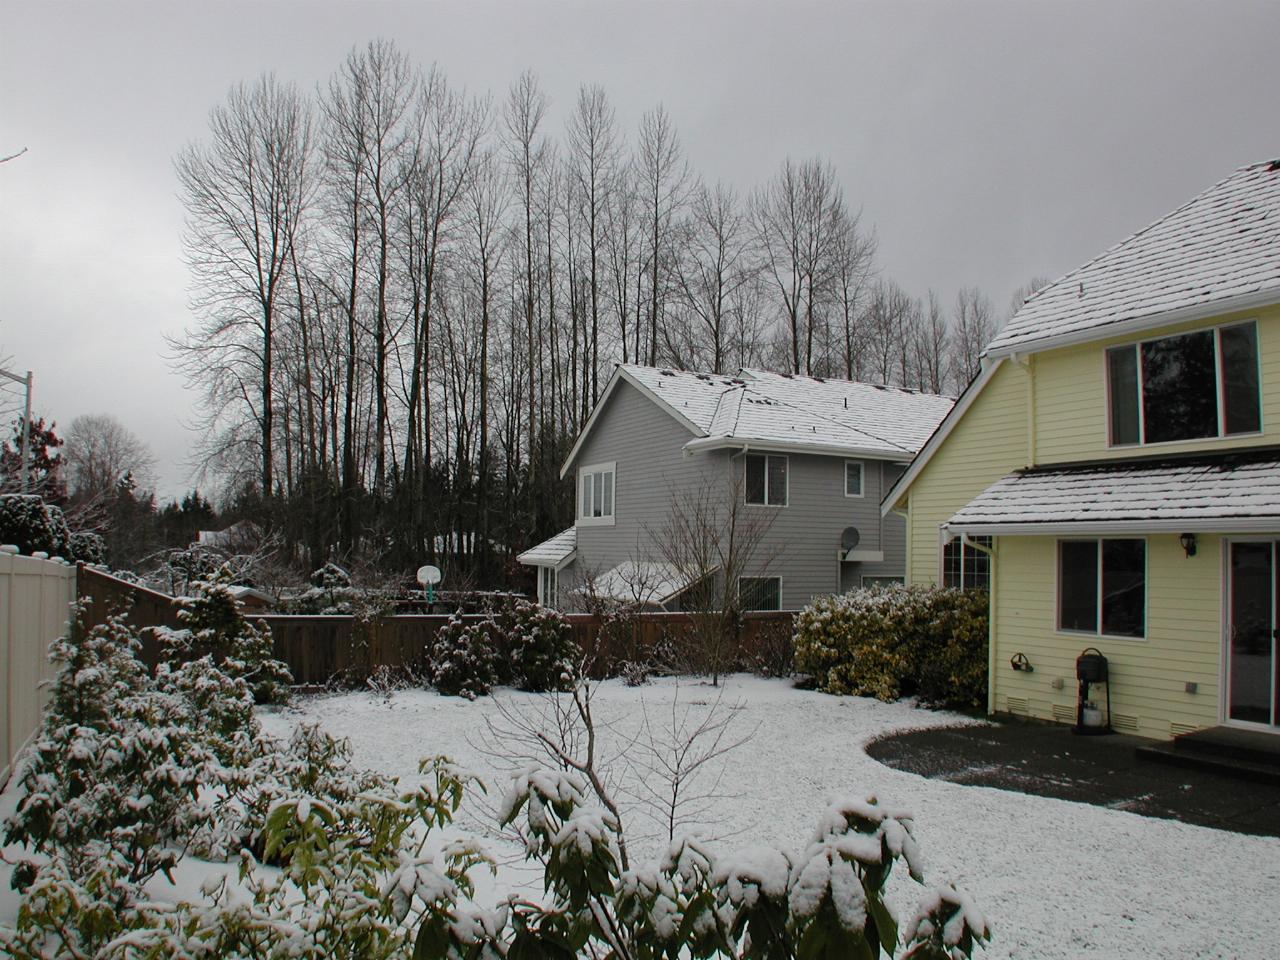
(1056,878)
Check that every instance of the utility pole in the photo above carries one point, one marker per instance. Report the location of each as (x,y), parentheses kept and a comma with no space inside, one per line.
(26,423)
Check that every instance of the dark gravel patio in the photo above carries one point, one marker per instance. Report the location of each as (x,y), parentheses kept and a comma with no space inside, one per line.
(1048,760)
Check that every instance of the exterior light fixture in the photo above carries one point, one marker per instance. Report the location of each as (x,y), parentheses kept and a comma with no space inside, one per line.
(1188,541)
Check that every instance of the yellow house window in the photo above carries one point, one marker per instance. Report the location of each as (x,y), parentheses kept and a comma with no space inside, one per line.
(1191,386)
(1102,587)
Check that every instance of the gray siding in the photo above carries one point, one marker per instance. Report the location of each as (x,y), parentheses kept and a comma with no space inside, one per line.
(645,442)
(803,538)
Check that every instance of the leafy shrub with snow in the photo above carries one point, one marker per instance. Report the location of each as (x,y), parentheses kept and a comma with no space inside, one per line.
(110,787)
(761,903)
(88,547)
(543,654)
(462,662)
(213,626)
(32,525)
(890,641)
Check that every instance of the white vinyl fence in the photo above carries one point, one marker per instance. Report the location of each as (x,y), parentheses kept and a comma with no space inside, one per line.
(35,607)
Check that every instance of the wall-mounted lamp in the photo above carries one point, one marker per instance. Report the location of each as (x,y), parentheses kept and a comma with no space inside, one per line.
(1188,541)
(1020,662)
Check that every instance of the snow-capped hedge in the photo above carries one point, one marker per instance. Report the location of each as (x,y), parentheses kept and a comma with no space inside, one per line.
(891,641)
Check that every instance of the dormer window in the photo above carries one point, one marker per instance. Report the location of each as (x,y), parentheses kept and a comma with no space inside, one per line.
(1191,386)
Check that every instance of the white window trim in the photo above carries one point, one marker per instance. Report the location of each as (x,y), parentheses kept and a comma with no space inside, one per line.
(944,541)
(786,483)
(1220,391)
(748,576)
(1146,590)
(862,479)
(548,587)
(605,521)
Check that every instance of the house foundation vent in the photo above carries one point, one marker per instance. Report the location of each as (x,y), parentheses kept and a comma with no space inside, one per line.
(1016,704)
(1122,722)
(1178,729)
(1064,713)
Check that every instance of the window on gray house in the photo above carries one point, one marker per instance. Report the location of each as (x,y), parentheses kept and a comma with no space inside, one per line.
(766,479)
(760,593)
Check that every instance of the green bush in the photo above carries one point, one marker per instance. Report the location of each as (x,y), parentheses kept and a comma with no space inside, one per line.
(544,655)
(461,662)
(892,641)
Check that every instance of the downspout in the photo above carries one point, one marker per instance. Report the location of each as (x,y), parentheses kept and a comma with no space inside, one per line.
(966,541)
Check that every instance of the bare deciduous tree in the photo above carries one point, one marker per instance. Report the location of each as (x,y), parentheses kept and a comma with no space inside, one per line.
(98,453)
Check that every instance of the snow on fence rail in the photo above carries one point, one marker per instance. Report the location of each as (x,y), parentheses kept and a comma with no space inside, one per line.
(320,648)
(35,604)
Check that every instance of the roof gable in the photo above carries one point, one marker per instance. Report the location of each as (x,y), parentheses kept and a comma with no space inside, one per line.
(1218,252)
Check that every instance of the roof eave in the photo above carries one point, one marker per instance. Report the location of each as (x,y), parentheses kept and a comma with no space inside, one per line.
(700,444)
(1199,311)
(1253,524)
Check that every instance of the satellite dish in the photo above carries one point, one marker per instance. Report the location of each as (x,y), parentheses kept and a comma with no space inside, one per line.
(849,539)
(429,576)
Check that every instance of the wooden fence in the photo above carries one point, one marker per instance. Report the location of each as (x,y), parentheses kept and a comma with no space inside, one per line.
(322,649)
(35,605)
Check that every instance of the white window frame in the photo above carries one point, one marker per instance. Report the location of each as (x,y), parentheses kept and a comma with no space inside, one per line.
(606,520)
(1220,385)
(944,542)
(1146,590)
(786,479)
(548,586)
(761,609)
(862,479)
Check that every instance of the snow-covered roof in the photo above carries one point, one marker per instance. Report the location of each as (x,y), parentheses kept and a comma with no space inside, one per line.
(786,412)
(555,552)
(1224,493)
(640,581)
(1216,253)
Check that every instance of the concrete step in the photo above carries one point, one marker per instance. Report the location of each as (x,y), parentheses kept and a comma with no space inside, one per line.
(1251,746)
(1201,759)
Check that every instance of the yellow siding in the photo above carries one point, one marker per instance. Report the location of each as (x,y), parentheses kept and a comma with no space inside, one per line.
(1071,396)
(1149,677)
(988,442)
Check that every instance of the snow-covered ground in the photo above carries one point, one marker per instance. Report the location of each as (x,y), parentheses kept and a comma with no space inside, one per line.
(1056,878)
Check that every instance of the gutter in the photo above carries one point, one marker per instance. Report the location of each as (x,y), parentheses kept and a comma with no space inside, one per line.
(700,444)
(1199,311)
(1104,527)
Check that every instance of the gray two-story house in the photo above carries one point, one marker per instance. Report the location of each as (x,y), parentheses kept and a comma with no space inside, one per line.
(785,473)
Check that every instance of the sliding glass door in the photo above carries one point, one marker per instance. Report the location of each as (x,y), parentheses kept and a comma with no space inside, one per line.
(1253,683)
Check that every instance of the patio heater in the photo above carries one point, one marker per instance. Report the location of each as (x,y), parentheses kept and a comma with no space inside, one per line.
(1091,670)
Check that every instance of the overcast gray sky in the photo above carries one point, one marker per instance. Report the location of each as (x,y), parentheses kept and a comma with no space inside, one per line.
(987,142)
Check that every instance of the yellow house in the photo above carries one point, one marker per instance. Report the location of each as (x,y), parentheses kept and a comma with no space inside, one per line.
(1113,476)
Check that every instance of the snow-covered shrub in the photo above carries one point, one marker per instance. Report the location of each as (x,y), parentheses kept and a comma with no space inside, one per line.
(214,626)
(88,547)
(111,783)
(952,655)
(543,654)
(31,525)
(461,662)
(890,641)
(760,903)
